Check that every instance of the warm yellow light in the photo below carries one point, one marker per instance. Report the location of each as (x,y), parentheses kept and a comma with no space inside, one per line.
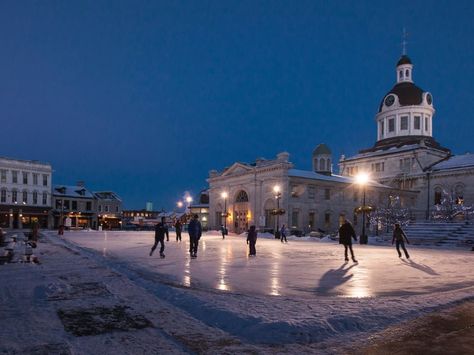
(362,178)
(189,199)
(276,188)
(224,194)
(180,204)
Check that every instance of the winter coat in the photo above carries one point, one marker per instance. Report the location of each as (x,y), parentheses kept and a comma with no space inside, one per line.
(195,229)
(177,226)
(160,230)
(283,231)
(345,233)
(252,236)
(398,235)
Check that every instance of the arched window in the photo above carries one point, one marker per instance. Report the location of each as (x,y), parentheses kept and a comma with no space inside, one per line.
(25,196)
(401,74)
(242,197)
(3,195)
(328,165)
(322,164)
(35,197)
(407,73)
(14,196)
(437,195)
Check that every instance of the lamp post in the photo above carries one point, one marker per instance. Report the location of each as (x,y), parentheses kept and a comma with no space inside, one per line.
(362,180)
(278,211)
(224,196)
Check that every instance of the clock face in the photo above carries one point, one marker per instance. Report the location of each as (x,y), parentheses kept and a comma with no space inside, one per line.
(389,100)
(429,99)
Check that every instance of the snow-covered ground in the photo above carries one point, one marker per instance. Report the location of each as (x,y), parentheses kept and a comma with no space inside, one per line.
(297,296)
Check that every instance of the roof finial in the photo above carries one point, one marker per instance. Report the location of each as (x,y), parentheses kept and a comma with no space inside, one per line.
(404,41)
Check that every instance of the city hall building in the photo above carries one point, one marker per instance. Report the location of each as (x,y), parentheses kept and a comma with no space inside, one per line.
(405,161)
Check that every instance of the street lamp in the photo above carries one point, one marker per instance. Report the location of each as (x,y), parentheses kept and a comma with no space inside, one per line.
(180,204)
(278,211)
(224,214)
(362,180)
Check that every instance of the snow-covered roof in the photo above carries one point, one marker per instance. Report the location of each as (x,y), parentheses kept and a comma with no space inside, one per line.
(391,150)
(72,191)
(334,178)
(107,195)
(456,162)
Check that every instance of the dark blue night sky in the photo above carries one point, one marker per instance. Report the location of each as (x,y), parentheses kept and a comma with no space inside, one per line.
(145,97)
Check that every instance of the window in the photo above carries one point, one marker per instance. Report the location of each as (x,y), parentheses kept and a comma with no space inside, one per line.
(74,205)
(327,218)
(25,196)
(426,123)
(391,125)
(116,208)
(35,198)
(66,204)
(45,180)
(404,123)
(294,218)
(100,208)
(14,177)
(311,192)
(311,220)
(381,125)
(400,74)
(106,208)
(3,195)
(416,122)
(88,206)
(407,73)
(327,194)
(25,178)
(437,196)
(45,198)
(242,197)
(3,174)
(322,164)
(14,196)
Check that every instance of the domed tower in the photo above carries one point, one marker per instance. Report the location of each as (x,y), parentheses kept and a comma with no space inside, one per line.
(322,159)
(406,111)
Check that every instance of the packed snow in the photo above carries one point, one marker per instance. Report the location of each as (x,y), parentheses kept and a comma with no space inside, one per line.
(295,296)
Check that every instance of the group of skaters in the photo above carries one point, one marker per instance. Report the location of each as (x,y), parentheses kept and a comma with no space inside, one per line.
(346,234)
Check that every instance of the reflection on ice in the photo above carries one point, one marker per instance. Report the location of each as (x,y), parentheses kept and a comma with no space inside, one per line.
(187,273)
(358,286)
(104,249)
(225,255)
(275,276)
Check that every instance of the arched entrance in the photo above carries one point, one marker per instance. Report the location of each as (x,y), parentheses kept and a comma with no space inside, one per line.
(241,210)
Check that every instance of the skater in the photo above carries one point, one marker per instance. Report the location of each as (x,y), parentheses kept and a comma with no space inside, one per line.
(399,236)
(223,231)
(283,234)
(252,240)
(178,228)
(160,231)
(163,220)
(195,231)
(346,232)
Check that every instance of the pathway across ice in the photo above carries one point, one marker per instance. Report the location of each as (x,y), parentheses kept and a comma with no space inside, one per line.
(300,291)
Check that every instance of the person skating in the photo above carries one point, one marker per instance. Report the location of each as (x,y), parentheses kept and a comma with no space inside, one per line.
(346,232)
(223,231)
(194,231)
(160,231)
(252,240)
(399,237)
(165,226)
(283,234)
(178,228)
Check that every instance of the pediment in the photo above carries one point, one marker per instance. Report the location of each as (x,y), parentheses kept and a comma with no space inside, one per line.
(237,169)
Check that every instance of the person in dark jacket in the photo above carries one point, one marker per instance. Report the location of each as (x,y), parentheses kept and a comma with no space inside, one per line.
(195,232)
(399,237)
(346,232)
(283,234)
(252,240)
(178,227)
(160,231)
(223,231)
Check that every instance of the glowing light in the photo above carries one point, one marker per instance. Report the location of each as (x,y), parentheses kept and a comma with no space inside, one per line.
(362,178)
(276,188)
(189,199)
(180,204)
(224,195)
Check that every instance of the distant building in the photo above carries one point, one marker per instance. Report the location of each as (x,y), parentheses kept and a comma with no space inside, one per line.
(201,208)
(74,206)
(149,206)
(306,200)
(109,209)
(25,193)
